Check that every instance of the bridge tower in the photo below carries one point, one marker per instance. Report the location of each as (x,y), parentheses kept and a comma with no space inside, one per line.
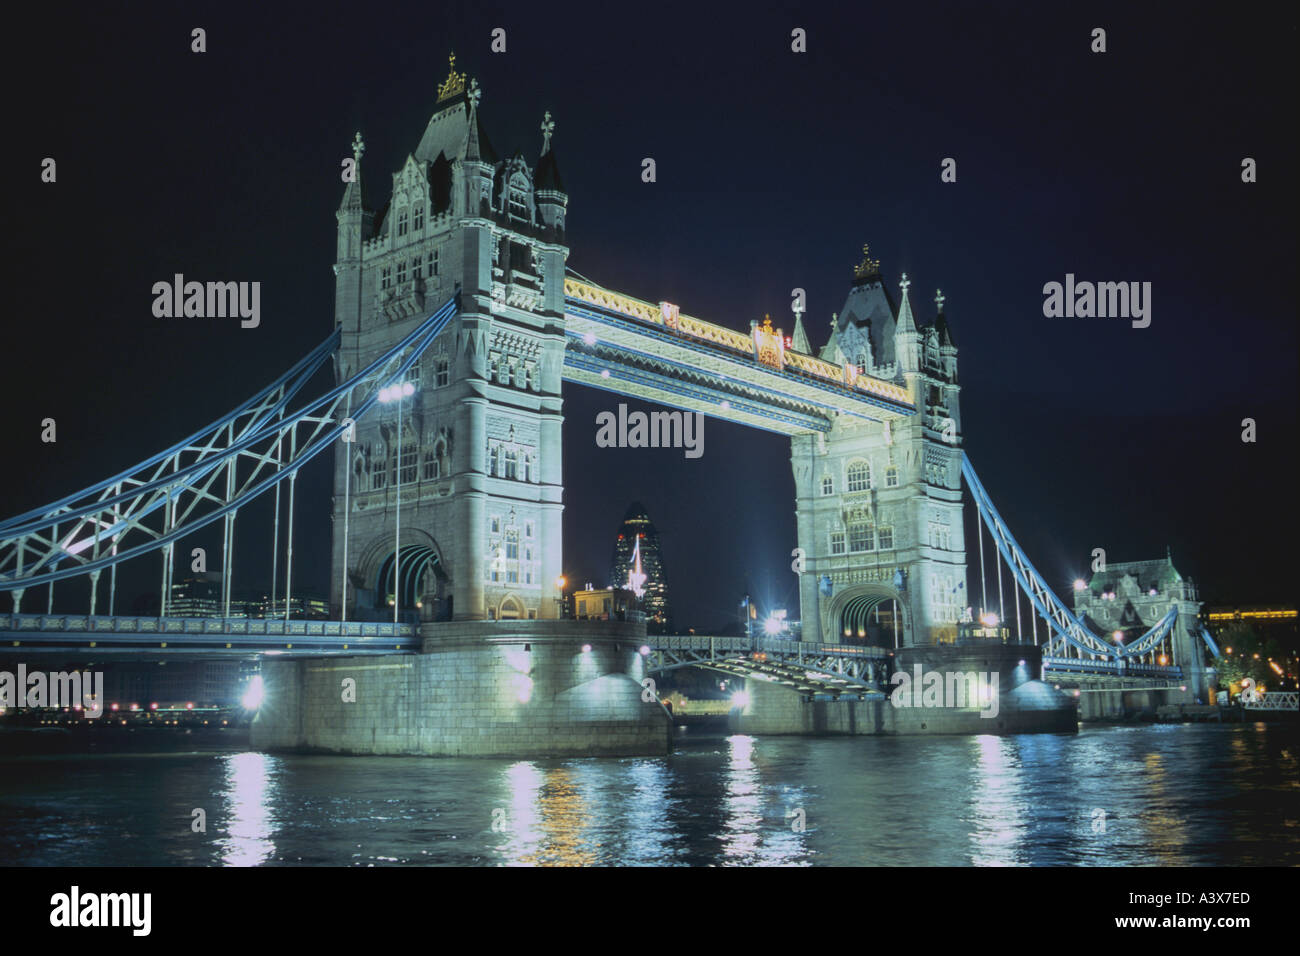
(879,504)
(1132,596)
(480,480)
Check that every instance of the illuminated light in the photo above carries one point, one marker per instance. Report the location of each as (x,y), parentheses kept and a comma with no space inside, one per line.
(135,706)
(586,648)
(189,706)
(1118,635)
(773,625)
(407,389)
(1022,663)
(1079,585)
(989,620)
(153,706)
(561,581)
(589,338)
(1228,649)
(384,394)
(1076,693)
(645,650)
(1163,660)
(604,373)
(726,404)
(253,697)
(740,699)
(1152,592)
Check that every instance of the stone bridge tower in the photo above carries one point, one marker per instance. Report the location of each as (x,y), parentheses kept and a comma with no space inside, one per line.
(879,505)
(1133,596)
(480,465)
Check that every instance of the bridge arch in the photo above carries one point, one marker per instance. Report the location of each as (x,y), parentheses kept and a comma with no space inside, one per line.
(854,612)
(423,579)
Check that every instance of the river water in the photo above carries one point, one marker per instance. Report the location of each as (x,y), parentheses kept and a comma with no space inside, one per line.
(1137,795)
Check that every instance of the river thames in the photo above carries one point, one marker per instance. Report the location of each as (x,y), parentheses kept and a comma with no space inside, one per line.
(1149,795)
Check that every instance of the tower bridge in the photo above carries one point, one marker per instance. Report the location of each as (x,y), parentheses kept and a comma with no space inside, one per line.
(457,321)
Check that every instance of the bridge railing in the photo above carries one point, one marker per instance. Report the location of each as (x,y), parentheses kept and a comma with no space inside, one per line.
(1120,667)
(745,645)
(240,627)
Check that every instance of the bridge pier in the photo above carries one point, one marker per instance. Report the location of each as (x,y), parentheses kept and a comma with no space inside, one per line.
(1022,704)
(480,689)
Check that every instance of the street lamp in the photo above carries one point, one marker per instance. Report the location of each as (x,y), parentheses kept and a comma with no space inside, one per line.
(396,393)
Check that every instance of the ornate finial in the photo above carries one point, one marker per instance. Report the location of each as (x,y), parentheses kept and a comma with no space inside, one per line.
(455,82)
(835,318)
(475,94)
(548,127)
(905,284)
(767,323)
(358,147)
(939,299)
(869,268)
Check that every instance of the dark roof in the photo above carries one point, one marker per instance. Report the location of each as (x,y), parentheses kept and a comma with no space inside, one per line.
(1158,574)
(945,334)
(548,173)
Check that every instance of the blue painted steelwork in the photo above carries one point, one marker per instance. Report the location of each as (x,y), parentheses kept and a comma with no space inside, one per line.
(1068,628)
(182,481)
(699,392)
(585,310)
(292,381)
(1209,642)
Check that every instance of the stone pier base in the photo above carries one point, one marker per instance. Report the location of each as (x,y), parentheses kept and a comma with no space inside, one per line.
(1024,705)
(499,688)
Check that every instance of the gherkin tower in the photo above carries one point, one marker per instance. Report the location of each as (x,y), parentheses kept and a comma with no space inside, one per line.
(638,542)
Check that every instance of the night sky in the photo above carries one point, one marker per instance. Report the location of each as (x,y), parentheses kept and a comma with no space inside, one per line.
(773,169)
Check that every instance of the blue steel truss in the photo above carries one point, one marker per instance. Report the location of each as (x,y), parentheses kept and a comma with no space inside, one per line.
(178,491)
(1067,629)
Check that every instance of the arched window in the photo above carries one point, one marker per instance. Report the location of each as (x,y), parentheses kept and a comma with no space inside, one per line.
(891,477)
(402,223)
(860,537)
(442,373)
(859,475)
(828,485)
(886,539)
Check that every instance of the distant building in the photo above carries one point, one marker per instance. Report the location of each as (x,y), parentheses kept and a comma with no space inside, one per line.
(200,596)
(604,604)
(638,566)
(1270,621)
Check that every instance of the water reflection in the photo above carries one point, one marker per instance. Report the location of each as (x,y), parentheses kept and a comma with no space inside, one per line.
(999,809)
(548,820)
(249,791)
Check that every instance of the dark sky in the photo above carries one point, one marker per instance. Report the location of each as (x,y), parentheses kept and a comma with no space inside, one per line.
(773,169)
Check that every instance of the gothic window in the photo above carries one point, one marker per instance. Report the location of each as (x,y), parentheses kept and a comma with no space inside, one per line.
(408,465)
(512,464)
(859,476)
(521,376)
(402,222)
(837,542)
(503,372)
(433,262)
(860,537)
(401,272)
(886,539)
(418,220)
(828,486)
(413,374)
(442,373)
(378,472)
(891,477)
(385,277)
(862,363)
(416,265)
(494,360)
(495,524)
(433,461)
(492,463)
(528,529)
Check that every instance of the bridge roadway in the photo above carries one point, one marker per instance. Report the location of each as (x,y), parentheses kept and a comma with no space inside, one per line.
(825,671)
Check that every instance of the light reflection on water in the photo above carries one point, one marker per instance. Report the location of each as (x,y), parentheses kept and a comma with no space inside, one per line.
(1169,795)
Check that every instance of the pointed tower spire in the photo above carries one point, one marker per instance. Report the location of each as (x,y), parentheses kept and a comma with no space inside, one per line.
(831,351)
(941,323)
(906,324)
(352,196)
(799,338)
